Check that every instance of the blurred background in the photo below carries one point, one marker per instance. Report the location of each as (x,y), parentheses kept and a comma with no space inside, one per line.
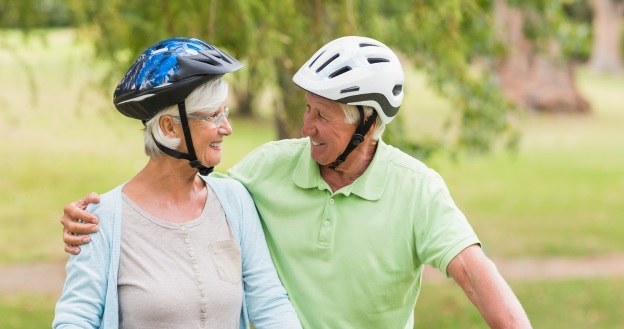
(518,104)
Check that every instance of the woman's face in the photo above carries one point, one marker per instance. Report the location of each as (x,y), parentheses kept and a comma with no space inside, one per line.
(324,123)
(207,132)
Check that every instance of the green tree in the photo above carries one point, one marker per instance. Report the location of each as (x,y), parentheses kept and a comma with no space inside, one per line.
(535,72)
(274,37)
(27,14)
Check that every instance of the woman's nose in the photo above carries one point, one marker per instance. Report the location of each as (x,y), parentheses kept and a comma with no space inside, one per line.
(225,128)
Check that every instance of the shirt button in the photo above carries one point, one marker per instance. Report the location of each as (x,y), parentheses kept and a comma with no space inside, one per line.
(182,228)
(331,201)
(326,223)
(187,241)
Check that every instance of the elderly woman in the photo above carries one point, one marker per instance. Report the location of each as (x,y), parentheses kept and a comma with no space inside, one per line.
(176,249)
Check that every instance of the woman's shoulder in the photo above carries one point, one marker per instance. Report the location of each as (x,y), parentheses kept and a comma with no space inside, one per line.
(225,184)
(109,205)
(229,191)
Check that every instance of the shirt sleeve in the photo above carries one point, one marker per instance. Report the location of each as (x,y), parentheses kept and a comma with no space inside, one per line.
(444,232)
(81,304)
(246,170)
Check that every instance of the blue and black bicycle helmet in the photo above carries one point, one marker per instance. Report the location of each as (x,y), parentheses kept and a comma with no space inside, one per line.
(164,75)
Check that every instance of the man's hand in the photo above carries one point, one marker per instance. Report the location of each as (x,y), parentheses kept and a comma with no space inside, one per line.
(77,223)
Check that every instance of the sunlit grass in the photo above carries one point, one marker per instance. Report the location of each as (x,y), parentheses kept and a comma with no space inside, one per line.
(26,311)
(573,304)
(561,193)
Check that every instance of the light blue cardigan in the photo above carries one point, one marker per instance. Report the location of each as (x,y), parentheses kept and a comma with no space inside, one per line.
(89,297)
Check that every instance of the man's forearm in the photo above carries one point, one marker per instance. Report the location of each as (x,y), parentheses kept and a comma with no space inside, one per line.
(487,290)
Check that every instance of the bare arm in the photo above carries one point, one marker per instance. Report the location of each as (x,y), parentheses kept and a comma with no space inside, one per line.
(487,290)
(77,223)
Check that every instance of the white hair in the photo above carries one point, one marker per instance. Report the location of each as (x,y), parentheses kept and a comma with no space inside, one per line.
(352,116)
(207,97)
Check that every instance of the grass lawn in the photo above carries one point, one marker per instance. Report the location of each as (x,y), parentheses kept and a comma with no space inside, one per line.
(561,194)
(573,304)
(26,311)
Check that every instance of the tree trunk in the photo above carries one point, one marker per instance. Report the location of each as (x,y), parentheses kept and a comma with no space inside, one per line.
(245,102)
(607,24)
(289,104)
(530,79)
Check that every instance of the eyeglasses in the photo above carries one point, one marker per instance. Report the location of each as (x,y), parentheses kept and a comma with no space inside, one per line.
(216,118)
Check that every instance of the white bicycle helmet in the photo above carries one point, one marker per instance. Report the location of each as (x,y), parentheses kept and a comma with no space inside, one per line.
(356,71)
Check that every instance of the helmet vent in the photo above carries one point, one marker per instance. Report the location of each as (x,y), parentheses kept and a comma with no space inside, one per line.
(397,90)
(223,58)
(350,89)
(377,60)
(362,45)
(327,63)
(314,61)
(211,61)
(340,71)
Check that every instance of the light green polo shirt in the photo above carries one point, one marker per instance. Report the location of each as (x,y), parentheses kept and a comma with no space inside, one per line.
(354,258)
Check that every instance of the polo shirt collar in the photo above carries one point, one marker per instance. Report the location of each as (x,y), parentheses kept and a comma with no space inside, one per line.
(369,186)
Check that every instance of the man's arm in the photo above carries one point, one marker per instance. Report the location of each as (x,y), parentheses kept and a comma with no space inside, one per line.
(487,290)
(77,223)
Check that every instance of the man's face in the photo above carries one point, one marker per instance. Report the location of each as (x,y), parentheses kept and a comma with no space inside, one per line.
(324,123)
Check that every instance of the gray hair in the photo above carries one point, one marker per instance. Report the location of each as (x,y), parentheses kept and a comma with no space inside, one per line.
(207,97)
(352,116)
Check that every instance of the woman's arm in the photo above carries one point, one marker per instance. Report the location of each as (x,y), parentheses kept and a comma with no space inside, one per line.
(81,304)
(267,301)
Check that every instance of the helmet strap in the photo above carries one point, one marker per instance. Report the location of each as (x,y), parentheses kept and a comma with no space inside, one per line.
(358,136)
(190,156)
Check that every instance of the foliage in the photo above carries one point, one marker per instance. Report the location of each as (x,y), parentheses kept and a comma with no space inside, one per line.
(568,22)
(274,37)
(26,14)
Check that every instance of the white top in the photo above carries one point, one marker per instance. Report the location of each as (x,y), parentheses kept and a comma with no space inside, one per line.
(178,275)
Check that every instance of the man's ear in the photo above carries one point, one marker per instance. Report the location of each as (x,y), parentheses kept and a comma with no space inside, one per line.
(372,127)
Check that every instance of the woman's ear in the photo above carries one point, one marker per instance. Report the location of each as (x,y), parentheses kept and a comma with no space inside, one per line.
(168,126)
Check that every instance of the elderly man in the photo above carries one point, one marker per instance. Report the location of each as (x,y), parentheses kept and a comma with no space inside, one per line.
(351,221)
